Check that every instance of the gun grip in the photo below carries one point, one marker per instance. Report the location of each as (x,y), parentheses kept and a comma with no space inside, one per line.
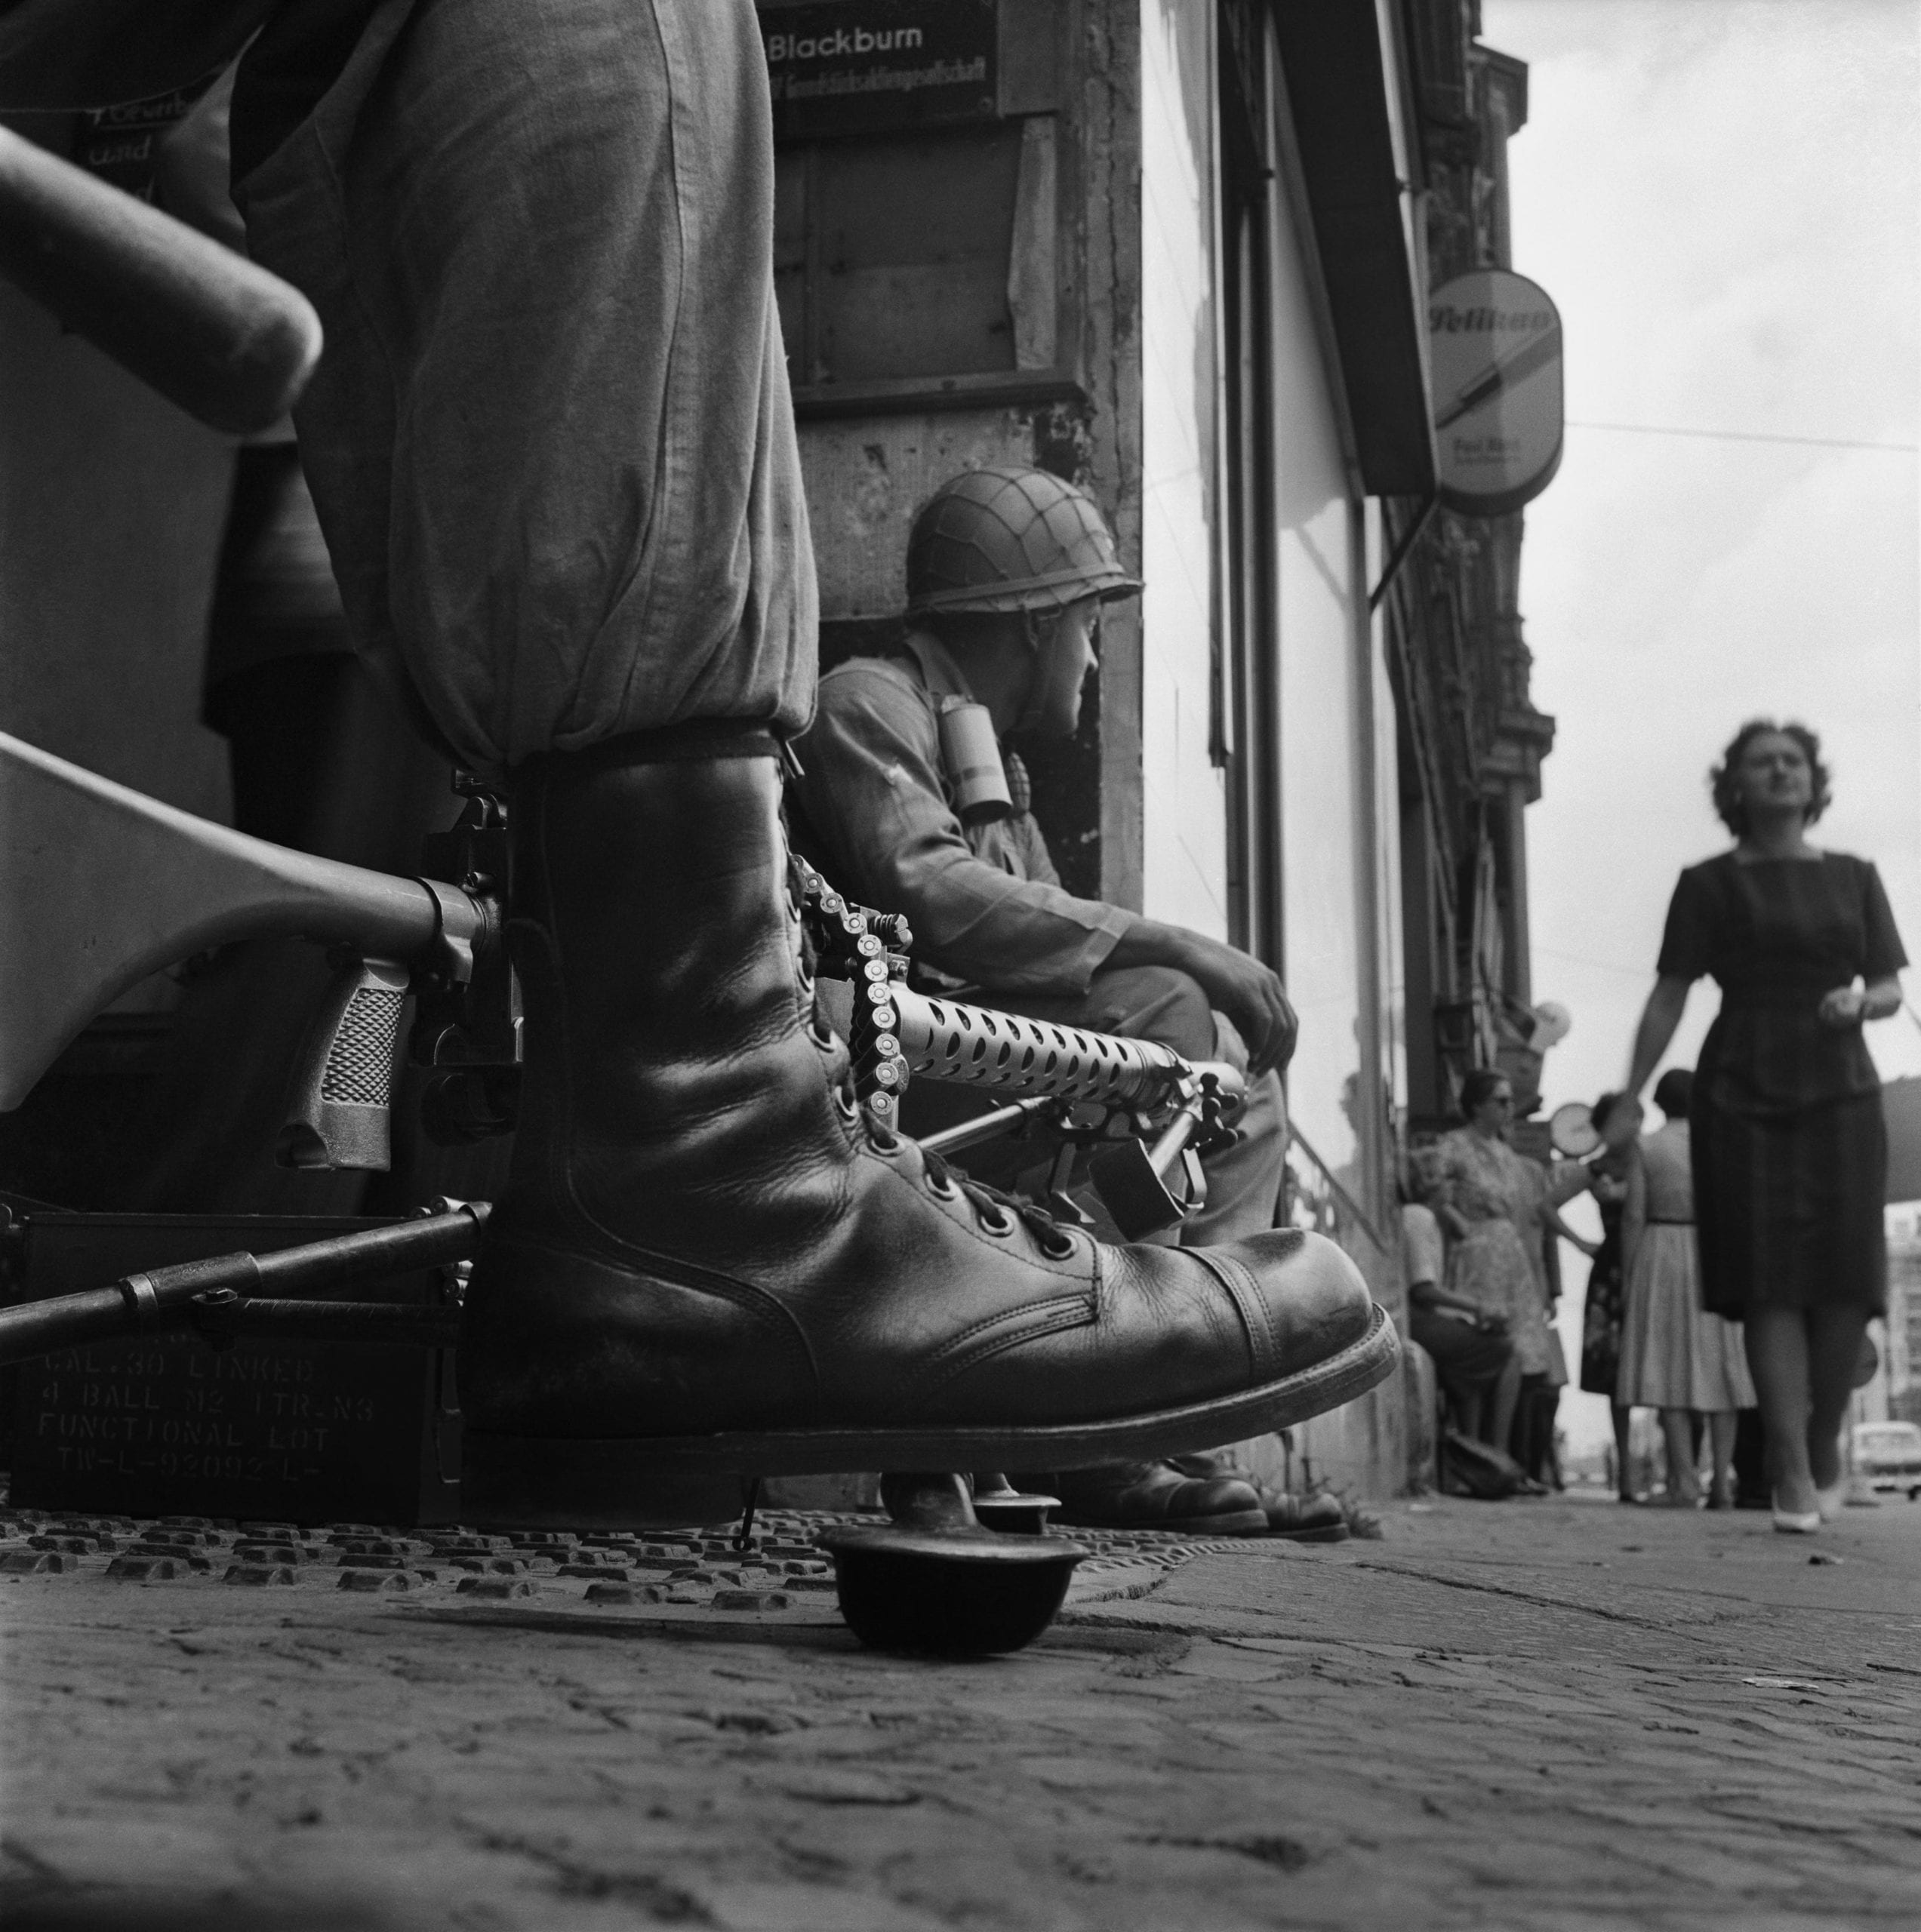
(339,1114)
(1141,1201)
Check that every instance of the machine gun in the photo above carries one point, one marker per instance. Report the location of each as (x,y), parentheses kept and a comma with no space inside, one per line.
(158,885)
(103,886)
(1088,1090)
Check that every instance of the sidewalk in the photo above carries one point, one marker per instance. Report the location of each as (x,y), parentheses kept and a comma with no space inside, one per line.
(1530,1715)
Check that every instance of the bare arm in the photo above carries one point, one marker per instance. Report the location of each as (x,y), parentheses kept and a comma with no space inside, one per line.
(1659,1018)
(1550,1214)
(1440,1202)
(1425,1294)
(1848,1006)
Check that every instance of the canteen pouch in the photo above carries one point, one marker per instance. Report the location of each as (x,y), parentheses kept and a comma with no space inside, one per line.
(971,755)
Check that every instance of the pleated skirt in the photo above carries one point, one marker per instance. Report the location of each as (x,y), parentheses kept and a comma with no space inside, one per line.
(1674,1354)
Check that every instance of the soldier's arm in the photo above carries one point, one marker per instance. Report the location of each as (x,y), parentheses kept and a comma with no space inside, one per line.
(873,793)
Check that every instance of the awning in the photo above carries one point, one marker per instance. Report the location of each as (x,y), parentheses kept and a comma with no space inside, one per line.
(1337,84)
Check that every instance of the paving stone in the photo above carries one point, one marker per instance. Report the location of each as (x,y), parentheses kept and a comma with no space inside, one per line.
(623,1593)
(377,1579)
(494,1586)
(750,1600)
(28,1562)
(147,1569)
(260,1573)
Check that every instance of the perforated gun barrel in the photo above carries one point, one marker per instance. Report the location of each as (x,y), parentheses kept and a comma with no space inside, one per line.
(943,1039)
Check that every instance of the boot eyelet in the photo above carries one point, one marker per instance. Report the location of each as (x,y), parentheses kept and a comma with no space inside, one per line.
(883,1140)
(942,1188)
(850,1114)
(1059,1246)
(995,1220)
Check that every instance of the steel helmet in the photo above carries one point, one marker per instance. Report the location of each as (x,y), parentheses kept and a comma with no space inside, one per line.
(1009,539)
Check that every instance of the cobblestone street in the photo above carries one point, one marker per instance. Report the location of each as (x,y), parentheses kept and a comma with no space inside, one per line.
(1562,1714)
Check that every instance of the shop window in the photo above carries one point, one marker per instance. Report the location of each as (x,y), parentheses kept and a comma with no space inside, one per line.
(916,269)
(891,255)
(919,182)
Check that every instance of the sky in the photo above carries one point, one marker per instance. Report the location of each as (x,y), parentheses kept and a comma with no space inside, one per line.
(1723,197)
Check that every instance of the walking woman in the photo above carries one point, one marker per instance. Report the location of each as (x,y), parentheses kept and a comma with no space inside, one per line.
(1790,1150)
(1675,1355)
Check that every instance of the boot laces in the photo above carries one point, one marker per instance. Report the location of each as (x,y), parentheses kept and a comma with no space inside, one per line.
(997,1209)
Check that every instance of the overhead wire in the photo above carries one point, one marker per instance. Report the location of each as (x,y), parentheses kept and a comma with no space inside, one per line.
(1744,436)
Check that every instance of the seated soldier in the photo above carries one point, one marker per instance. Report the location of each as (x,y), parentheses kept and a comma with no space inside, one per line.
(1007,570)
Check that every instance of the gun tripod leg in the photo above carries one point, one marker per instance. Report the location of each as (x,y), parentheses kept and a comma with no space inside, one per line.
(937,1583)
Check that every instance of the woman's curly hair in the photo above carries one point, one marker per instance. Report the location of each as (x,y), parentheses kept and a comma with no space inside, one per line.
(1724,780)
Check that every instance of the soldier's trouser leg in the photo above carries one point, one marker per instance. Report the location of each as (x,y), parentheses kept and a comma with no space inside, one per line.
(550,438)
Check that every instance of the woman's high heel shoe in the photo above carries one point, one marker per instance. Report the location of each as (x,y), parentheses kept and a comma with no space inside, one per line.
(1796,1523)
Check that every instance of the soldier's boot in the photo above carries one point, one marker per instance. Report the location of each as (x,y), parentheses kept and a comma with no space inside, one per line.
(1158,1496)
(1315,1516)
(706,1264)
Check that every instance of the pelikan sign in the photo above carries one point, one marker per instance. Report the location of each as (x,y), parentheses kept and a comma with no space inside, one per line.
(1494,347)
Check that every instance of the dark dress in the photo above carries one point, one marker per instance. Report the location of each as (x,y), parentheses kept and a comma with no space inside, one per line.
(1789,1147)
(1601,1318)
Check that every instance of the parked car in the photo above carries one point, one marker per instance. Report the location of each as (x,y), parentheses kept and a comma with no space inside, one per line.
(1888,1455)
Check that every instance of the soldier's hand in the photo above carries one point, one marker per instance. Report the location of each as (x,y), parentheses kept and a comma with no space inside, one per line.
(1250,994)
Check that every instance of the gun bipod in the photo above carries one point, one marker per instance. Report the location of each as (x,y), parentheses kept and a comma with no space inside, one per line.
(938,1582)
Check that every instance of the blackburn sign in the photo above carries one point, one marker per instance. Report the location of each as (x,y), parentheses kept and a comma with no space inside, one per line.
(865,66)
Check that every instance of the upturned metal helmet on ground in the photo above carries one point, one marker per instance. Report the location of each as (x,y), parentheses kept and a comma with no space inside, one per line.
(1009,539)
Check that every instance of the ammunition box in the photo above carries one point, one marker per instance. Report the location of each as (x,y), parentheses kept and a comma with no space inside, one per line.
(171,1424)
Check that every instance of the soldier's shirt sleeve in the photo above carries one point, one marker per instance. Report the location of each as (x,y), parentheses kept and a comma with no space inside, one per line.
(873,794)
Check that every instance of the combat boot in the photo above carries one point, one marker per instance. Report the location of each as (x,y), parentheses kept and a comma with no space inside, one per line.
(706,1263)
(1158,1496)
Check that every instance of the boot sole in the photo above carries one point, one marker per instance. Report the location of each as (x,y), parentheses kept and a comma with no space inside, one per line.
(1229,1523)
(537,1482)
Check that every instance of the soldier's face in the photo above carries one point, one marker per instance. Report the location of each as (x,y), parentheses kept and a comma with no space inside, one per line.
(1064,662)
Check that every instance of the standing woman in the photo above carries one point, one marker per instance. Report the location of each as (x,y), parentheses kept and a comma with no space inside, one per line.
(1789,1152)
(1675,1356)
(1601,1315)
(1496,1205)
